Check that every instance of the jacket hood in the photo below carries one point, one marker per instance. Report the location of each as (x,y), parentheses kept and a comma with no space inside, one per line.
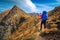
(44,12)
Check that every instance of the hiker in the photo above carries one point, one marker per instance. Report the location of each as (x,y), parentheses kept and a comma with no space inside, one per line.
(43,17)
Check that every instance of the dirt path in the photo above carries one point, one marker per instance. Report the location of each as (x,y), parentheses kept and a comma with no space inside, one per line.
(49,36)
(39,38)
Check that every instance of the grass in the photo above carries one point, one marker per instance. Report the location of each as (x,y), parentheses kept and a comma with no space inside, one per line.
(32,38)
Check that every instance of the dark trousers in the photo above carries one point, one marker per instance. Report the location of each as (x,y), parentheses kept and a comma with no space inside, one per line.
(43,22)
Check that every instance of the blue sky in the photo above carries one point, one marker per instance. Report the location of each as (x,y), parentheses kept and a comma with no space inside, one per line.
(30,6)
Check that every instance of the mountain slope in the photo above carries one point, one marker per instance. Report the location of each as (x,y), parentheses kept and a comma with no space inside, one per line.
(2,15)
(18,25)
(53,23)
(54,17)
(15,13)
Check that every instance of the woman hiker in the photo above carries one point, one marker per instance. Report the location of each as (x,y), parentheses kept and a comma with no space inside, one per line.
(43,17)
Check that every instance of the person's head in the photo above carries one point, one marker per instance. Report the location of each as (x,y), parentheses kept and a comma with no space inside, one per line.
(44,12)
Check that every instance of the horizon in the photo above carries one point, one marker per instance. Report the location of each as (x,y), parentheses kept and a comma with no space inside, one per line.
(30,6)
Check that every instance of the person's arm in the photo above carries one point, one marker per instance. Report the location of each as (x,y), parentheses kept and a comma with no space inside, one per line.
(40,16)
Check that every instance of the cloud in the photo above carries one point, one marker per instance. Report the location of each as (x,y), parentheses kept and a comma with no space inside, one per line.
(43,7)
(58,0)
(31,5)
(54,4)
(26,5)
(2,9)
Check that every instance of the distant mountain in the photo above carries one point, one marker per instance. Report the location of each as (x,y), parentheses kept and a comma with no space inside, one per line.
(34,14)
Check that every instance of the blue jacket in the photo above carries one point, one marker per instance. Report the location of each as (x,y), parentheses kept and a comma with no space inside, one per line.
(44,15)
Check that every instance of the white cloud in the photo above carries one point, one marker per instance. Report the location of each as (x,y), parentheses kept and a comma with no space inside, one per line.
(2,9)
(58,0)
(44,7)
(27,4)
(31,5)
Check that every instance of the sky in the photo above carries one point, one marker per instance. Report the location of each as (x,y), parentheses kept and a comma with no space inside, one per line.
(30,6)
